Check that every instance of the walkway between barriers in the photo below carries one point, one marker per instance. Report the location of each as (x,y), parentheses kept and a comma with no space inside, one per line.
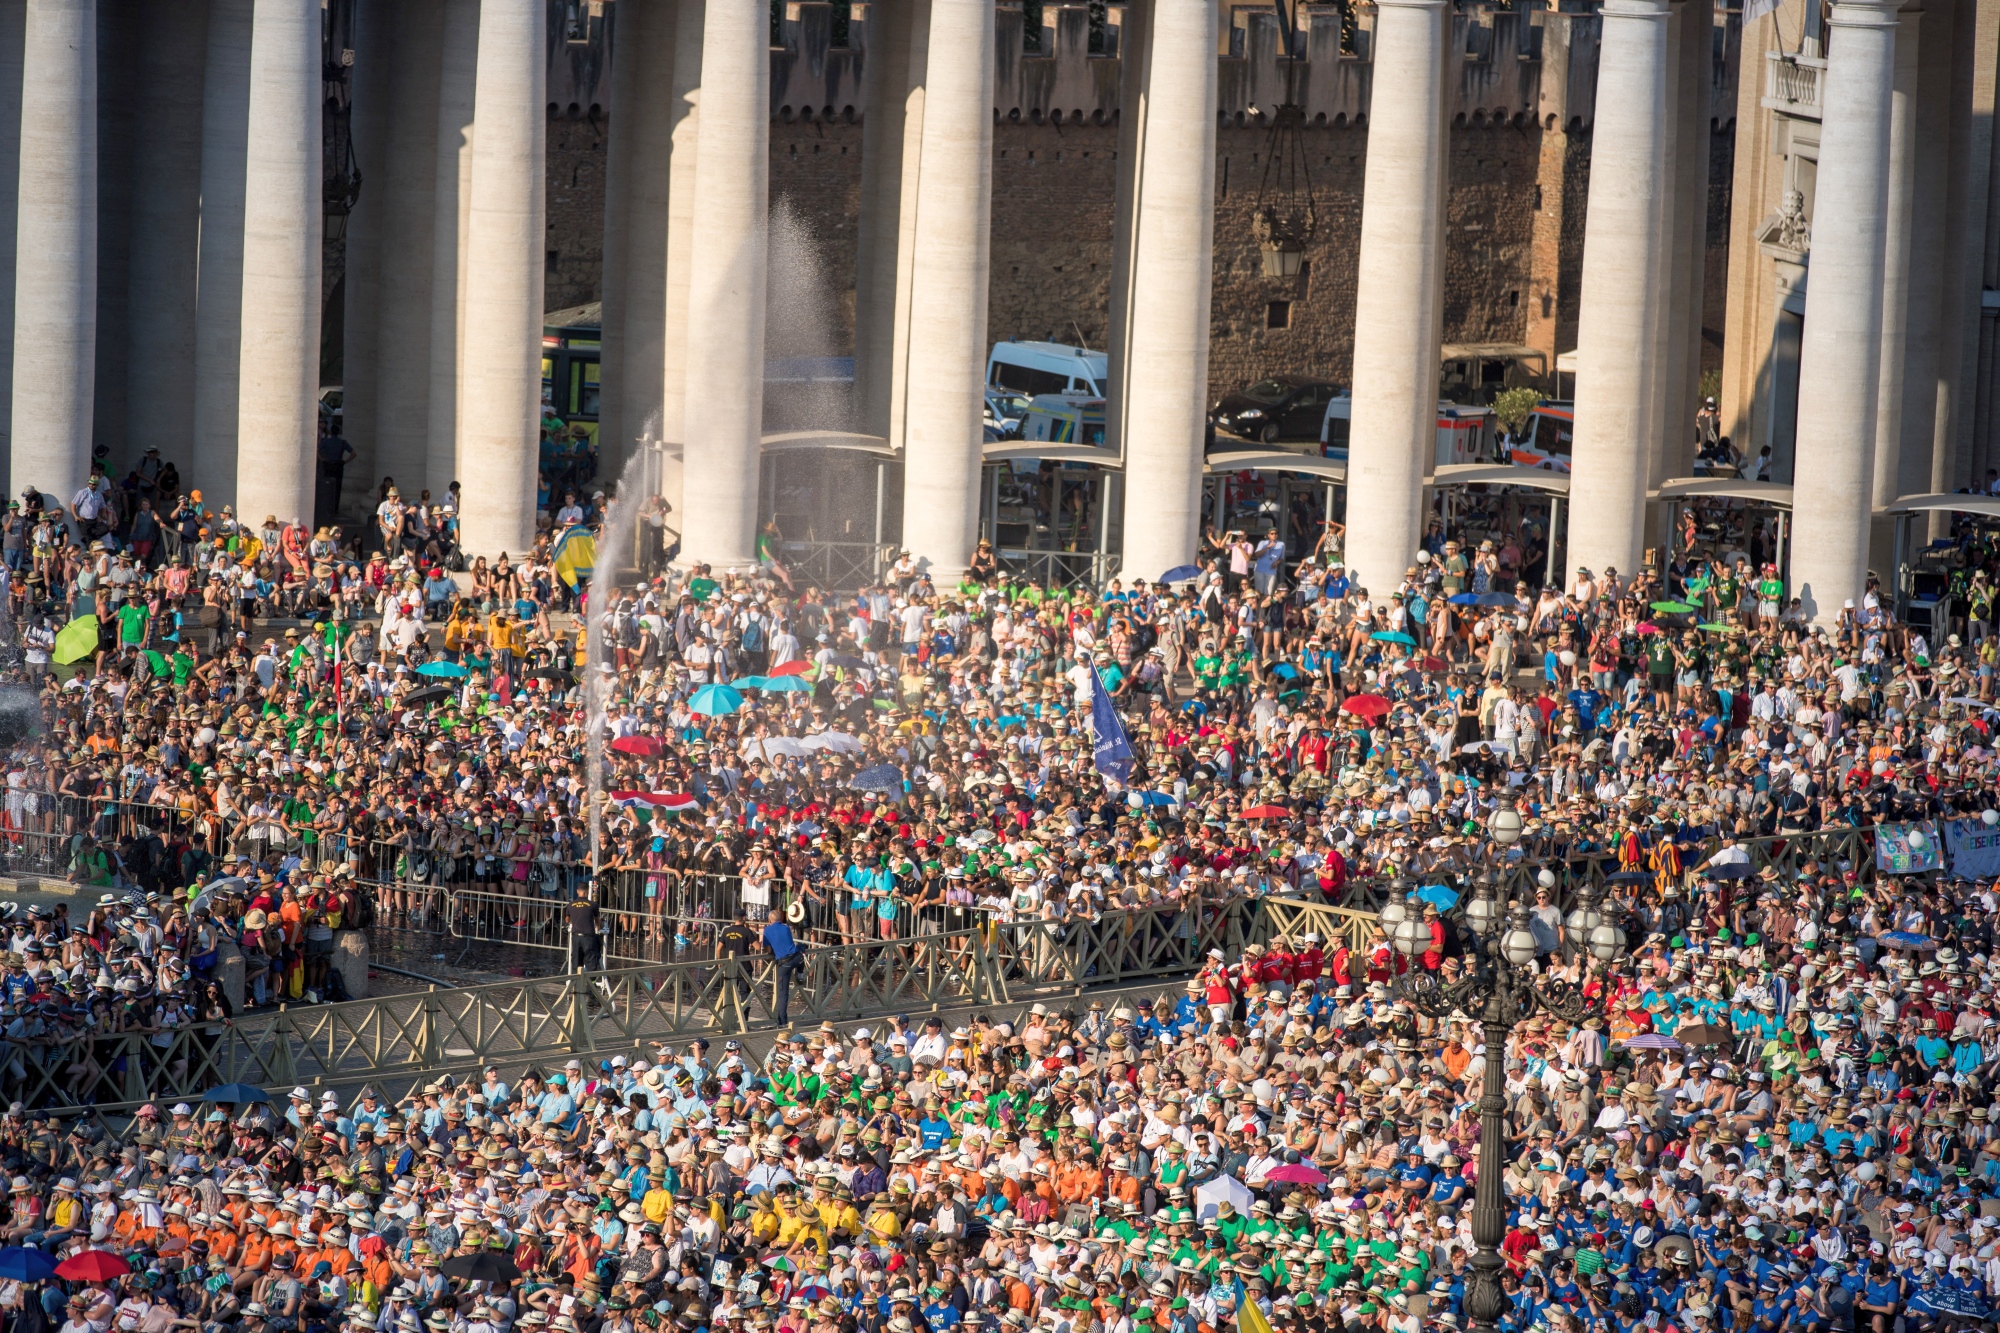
(461,1030)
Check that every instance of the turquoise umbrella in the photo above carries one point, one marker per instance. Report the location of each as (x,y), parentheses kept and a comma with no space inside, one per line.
(442,668)
(747,683)
(716,700)
(787,685)
(1394,636)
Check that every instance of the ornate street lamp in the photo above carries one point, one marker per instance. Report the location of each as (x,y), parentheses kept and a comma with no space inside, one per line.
(1500,991)
(1285,217)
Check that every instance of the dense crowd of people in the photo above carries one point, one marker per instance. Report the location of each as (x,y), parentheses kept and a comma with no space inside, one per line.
(1776,1112)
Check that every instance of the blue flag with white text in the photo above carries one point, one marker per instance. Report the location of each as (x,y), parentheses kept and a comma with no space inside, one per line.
(1114,752)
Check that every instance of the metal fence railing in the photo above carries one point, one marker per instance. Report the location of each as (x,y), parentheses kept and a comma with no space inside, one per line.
(1061,569)
(836,566)
(514,895)
(992,957)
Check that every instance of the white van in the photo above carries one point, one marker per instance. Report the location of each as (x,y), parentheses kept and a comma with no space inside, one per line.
(1464,434)
(1039,368)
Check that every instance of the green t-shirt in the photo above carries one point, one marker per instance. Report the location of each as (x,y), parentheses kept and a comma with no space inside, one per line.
(132,618)
(701,589)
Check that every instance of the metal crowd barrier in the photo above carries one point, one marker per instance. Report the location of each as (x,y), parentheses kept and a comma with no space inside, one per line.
(660,915)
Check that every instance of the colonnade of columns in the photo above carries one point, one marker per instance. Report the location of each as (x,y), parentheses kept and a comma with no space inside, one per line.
(183,310)
(221,244)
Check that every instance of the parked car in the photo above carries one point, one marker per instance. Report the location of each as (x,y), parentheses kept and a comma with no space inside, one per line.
(1283,407)
(1005,409)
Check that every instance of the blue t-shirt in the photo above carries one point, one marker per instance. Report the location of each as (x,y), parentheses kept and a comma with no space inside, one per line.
(778,939)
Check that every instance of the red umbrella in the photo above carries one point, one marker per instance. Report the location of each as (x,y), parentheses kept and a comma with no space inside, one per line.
(93,1266)
(644,746)
(1365,706)
(798,668)
(1645,627)
(1436,664)
(1296,1173)
(1267,812)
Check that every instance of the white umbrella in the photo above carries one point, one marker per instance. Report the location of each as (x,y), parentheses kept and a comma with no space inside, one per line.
(227,884)
(1210,1193)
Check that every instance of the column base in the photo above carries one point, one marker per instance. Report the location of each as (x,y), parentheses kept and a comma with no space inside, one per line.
(717,564)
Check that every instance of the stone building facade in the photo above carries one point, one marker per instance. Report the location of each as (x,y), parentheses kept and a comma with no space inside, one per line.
(1519,173)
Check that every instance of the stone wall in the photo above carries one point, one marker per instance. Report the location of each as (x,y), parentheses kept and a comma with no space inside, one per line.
(1520,162)
(1052,203)
(575,251)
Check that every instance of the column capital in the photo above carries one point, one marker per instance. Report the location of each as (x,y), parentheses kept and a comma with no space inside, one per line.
(1633,9)
(1863,14)
(1410,4)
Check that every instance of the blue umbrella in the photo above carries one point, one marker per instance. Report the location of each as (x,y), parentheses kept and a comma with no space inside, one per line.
(25,1265)
(716,700)
(882,777)
(1906,939)
(236,1092)
(787,685)
(748,683)
(1464,599)
(440,667)
(1151,798)
(1438,896)
(1496,599)
(1393,636)
(1181,574)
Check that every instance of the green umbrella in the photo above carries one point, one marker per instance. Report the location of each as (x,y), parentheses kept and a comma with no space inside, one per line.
(1717,627)
(1672,608)
(76,640)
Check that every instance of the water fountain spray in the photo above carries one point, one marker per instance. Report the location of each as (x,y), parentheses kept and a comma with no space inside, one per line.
(614,544)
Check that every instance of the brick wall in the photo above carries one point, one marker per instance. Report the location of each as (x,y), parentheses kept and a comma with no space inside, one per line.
(1053,188)
(816,167)
(1051,260)
(575,204)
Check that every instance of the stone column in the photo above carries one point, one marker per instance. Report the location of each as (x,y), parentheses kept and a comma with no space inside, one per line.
(500,408)
(1396,297)
(407,185)
(723,412)
(13,21)
(638,197)
(1890,464)
(1922,341)
(277,418)
(891,147)
(691,16)
(1164,397)
(942,436)
(371,86)
(218,318)
(166,232)
(451,181)
(118,61)
(1691,62)
(1617,326)
(1135,51)
(1841,352)
(55,283)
